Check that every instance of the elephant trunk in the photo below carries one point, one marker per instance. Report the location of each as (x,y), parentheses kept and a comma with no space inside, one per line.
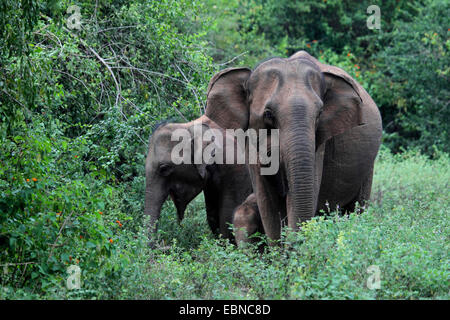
(155,195)
(299,166)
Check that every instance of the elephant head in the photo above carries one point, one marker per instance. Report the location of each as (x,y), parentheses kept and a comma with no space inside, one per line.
(246,221)
(182,182)
(309,103)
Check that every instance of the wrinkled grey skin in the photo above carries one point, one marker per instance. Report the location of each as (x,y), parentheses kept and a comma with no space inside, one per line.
(247,221)
(330,133)
(224,186)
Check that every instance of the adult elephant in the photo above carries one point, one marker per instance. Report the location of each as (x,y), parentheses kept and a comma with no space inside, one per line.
(329,127)
(225,186)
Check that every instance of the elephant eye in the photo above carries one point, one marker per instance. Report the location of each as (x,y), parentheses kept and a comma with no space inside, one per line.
(269,119)
(165,169)
(268,114)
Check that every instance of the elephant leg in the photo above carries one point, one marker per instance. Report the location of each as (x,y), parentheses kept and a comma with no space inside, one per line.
(269,203)
(226,218)
(363,194)
(214,224)
(212,211)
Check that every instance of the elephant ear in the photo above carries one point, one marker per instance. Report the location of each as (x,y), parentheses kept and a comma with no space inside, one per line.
(341,104)
(197,147)
(226,102)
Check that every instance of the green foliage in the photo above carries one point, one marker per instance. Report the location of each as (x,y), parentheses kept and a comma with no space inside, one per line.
(410,81)
(76,110)
(50,213)
(333,23)
(404,232)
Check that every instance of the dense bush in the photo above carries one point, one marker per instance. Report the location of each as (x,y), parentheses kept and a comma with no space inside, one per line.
(410,80)
(77,107)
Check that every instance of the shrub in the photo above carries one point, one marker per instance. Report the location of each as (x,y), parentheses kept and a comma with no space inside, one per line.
(409,80)
(77,107)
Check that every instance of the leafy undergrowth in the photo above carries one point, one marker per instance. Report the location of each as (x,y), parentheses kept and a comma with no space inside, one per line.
(404,233)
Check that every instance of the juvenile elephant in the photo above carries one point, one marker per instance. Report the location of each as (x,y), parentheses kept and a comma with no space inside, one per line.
(329,128)
(225,186)
(247,221)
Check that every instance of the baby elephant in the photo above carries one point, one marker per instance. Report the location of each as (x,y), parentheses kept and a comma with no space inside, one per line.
(247,221)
